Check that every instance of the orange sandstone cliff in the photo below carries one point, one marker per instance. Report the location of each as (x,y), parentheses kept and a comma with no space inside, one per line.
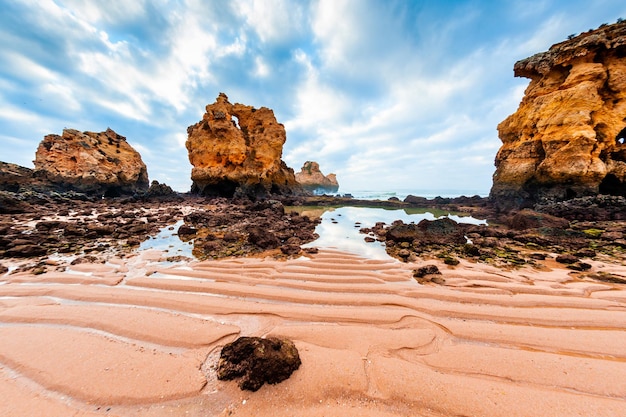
(567,137)
(95,163)
(312,179)
(236,150)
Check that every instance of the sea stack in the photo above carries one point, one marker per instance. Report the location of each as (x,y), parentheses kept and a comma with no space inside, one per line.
(567,137)
(236,151)
(312,179)
(92,163)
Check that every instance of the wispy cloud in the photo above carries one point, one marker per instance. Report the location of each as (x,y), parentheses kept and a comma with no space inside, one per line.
(387,94)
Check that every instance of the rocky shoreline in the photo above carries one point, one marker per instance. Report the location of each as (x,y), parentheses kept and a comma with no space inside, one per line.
(44,226)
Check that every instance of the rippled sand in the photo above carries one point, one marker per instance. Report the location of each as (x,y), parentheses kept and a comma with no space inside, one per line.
(136,337)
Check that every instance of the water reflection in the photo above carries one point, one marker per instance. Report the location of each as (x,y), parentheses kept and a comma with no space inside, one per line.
(167,240)
(339,228)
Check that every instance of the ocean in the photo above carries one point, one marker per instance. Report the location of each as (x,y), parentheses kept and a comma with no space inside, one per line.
(402,193)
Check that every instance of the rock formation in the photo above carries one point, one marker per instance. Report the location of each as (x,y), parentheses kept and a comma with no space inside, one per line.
(258,361)
(236,150)
(13,176)
(312,179)
(567,137)
(94,163)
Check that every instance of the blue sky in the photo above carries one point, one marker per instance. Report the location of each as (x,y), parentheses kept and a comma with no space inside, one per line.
(386,94)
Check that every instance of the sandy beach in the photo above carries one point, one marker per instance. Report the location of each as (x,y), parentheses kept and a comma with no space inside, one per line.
(137,336)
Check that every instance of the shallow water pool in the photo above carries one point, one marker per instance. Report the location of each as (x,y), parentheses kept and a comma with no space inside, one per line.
(340,226)
(339,229)
(167,240)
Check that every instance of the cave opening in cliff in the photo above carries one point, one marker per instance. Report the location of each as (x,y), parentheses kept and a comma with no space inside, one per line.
(621,137)
(611,185)
(224,188)
(112,192)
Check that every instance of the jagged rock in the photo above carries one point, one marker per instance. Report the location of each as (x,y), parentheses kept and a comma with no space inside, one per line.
(94,163)
(590,208)
(529,219)
(416,200)
(440,231)
(567,137)
(10,203)
(262,238)
(236,150)
(13,176)
(25,251)
(312,179)
(566,259)
(422,271)
(258,361)
(159,190)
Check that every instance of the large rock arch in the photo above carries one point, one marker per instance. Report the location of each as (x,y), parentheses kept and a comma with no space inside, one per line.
(236,150)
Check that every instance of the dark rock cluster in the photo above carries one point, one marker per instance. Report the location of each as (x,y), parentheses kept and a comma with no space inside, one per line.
(218,227)
(81,227)
(241,227)
(520,239)
(258,361)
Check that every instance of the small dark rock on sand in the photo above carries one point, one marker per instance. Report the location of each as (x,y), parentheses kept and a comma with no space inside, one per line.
(422,271)
(257,361)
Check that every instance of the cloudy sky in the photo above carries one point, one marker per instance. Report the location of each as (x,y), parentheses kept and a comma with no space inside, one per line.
(386,94)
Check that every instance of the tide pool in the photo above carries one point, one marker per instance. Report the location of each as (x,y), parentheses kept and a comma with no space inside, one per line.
(339,229)
(340,226)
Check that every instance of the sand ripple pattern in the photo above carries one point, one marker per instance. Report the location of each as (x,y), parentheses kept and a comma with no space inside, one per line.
(136,337)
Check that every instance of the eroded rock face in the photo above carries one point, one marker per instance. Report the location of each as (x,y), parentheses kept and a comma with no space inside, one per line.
(13,176)
(236,150)
(94,163)
(258,361)
(312,179)
(567,137)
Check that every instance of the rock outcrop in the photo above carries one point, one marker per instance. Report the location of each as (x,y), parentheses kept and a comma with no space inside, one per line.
(312,179)
(257,361)
(567,137)
(13,176)
(236,150)
(93,163)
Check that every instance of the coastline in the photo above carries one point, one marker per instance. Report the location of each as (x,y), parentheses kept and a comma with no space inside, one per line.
(140,334)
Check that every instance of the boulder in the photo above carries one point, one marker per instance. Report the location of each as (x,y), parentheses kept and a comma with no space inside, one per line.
(258,361)
(11,204)
(567,137)
(312,179)
(236,151)
(529,219)
(13,177)
(160,190)
(93,163)
(438,232)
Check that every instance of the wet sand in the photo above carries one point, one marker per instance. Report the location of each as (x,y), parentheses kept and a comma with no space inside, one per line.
(139,337)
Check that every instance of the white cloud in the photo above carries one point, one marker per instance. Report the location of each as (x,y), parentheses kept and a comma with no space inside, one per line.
(316,104)
(116,11)
(261,69)
(20,66)
(62,95)
(336,31)
(17,114)
(274,21)
(382,93)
